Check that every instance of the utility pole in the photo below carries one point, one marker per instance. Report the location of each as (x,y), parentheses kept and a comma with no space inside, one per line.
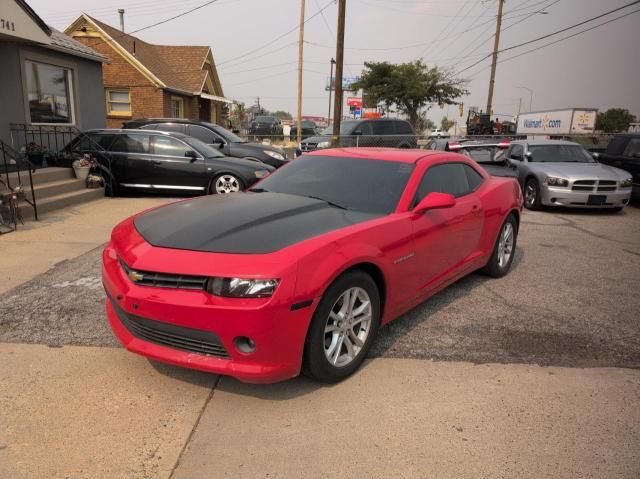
(496,45)
(300,52)
(333,62)
(337,109)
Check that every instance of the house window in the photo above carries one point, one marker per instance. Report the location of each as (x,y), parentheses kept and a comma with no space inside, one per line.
(49,93)
(177,107)
(118,102)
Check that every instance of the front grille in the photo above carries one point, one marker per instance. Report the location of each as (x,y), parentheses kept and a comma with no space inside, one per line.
(170,335)
(607,185)
(583,185)
(308,146)
(164,280)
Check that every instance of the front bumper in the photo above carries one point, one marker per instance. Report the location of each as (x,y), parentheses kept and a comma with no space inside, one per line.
(277,331)
(554,196)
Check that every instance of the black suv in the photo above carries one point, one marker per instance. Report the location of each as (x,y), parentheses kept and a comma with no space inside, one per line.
(214,135)
(156,160)
(377,133)
(266,126)
(623,151)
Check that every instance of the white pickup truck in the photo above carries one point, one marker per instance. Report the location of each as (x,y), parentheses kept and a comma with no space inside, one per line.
(438,133)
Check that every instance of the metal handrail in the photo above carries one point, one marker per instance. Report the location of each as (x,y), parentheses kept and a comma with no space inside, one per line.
(7,155)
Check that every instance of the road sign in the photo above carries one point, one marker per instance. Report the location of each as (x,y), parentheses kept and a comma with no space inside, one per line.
(354,101)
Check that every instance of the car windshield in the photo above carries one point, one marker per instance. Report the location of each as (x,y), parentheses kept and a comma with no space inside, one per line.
(372,186)
(226,134)
(328,130)
(265,119)
(202,148)
(346,127)
(307,124)
(559,154)
(481,154)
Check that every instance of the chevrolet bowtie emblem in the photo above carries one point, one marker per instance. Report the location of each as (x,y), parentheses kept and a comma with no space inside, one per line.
(135,276)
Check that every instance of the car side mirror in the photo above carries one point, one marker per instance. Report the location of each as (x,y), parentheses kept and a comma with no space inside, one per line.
(595,155)
(636,155)
(191,154)
(435,201)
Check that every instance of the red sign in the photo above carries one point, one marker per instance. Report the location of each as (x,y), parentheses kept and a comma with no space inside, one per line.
(354,101)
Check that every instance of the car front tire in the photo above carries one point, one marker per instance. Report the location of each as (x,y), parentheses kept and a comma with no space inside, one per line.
(532,199)
(224,184)
(504,250)
(343,328)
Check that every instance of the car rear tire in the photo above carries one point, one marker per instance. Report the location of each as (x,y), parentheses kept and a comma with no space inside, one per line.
(225,183)
(504,250)
(532,200)
(343,328)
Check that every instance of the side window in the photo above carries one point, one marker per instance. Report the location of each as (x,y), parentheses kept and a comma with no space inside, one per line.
(448,178)
(517,152)
(382,127)
(131,143)
(172,127)
(403,128)
(85,143)
(474,178)
(168,146)
(633,148)
(363,128)
(202,134)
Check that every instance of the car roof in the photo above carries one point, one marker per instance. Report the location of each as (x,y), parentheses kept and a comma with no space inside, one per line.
(400,155)
(545,142)
(167,120)
(130,132)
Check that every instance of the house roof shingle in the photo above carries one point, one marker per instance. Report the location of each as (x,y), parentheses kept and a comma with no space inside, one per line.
(178,67)
(65,42)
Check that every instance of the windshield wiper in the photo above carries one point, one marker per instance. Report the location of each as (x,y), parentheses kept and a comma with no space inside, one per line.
(330,203)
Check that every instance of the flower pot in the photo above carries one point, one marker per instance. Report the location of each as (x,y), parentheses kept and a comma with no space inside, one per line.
(81,172)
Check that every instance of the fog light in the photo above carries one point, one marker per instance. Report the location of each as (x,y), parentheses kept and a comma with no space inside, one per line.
(244,344)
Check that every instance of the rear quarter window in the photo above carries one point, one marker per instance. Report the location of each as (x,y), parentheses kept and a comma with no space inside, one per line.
(403,128)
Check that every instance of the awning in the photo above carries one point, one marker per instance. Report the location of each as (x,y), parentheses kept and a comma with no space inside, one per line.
(222,99)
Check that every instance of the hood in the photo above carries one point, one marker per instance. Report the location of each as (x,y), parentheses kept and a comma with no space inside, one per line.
(243,223)
(257,146)
(580,171)
(231,161)
(316,139)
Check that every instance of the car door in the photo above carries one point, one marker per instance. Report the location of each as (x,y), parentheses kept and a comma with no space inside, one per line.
(131,160)
(630,160)
(210,137)
(446,240)
(363,135)
(515,156)
(173,168)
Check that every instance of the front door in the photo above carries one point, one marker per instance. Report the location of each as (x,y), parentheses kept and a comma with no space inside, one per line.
(174,169)
(447,239)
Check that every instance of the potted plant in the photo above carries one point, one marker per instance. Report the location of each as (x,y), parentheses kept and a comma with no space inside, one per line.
(81,167)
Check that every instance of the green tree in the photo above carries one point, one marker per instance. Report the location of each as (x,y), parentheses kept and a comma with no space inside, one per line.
(280,115)
(427,124)
(412,87)
(614,120)
(445,123)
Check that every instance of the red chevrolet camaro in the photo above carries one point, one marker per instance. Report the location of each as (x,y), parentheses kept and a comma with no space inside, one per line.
(300,271)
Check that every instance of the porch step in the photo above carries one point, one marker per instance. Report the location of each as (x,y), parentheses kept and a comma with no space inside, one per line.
(40,176)
(63,200)
(55,188)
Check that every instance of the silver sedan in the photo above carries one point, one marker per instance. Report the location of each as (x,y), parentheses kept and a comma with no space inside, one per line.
(563,173)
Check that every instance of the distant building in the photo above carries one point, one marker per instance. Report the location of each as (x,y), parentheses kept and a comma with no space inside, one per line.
(146,80)
(46,77)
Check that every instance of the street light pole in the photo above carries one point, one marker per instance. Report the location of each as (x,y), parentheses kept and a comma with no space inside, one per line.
(494,61)
(333,62)
(530,95)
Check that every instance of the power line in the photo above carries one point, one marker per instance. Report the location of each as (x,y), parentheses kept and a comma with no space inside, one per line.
(441,34)
(278,37)
(548,35)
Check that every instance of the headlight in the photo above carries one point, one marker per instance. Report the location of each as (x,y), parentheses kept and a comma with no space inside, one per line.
(626,183)
(261,173)
(274,154)
(554,181)
(323,144)
(241,287)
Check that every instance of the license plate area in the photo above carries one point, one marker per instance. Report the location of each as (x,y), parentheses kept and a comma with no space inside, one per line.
(596,199)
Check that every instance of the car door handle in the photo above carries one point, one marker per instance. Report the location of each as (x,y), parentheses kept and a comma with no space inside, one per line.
(156,162)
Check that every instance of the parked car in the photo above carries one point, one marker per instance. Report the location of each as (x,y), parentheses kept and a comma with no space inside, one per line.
(266,126)
(156,160)
(623,151)
(215,135)
(490,156)
(309,129)
(563,173)
(438,133)
(365,133)
(300,271)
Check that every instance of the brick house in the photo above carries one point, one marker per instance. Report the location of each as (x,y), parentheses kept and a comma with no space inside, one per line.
(146,80)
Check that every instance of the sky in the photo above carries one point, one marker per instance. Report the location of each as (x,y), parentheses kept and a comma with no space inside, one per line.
(596,69)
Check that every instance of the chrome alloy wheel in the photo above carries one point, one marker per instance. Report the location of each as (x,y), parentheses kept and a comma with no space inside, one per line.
(505,245)
(347,327)
(227,184)
(530,194)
